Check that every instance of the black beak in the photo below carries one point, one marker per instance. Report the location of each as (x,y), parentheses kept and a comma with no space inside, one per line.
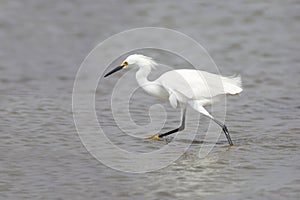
(113,71)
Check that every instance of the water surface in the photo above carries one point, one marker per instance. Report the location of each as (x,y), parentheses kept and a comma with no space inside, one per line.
(42,46)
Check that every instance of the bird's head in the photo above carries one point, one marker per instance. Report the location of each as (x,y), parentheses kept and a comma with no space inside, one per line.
(137,60)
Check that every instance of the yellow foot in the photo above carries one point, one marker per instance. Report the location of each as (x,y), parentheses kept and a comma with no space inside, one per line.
(155,137)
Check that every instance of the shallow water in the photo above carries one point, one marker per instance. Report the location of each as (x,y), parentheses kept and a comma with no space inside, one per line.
(42,46)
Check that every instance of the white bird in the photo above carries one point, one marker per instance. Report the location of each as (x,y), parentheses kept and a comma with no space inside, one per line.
(183,87)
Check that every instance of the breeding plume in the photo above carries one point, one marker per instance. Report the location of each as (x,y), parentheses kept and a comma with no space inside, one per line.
(183,87)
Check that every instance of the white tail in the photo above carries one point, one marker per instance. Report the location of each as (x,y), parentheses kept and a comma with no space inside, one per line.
(232,85)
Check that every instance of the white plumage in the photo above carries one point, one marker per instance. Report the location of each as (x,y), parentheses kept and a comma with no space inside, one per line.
(183,87)
(199,85)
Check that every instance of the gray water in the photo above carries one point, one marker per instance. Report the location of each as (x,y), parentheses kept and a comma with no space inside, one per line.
(42,46)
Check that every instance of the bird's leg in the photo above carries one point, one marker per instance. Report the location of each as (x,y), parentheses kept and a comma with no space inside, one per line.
(225,130)
(198,107)
(180,128)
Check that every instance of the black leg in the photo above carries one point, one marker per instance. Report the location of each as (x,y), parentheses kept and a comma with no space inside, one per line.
(225,130)
(181,127)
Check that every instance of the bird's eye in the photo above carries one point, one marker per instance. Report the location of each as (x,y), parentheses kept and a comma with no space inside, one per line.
(125,63)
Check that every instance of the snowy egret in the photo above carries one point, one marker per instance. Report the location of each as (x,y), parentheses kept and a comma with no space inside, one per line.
(183,87)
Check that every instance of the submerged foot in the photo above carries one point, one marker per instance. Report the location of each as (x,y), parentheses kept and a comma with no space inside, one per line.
(231,146)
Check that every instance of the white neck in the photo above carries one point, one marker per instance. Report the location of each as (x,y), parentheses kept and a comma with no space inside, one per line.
(151,87)
(141,76)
